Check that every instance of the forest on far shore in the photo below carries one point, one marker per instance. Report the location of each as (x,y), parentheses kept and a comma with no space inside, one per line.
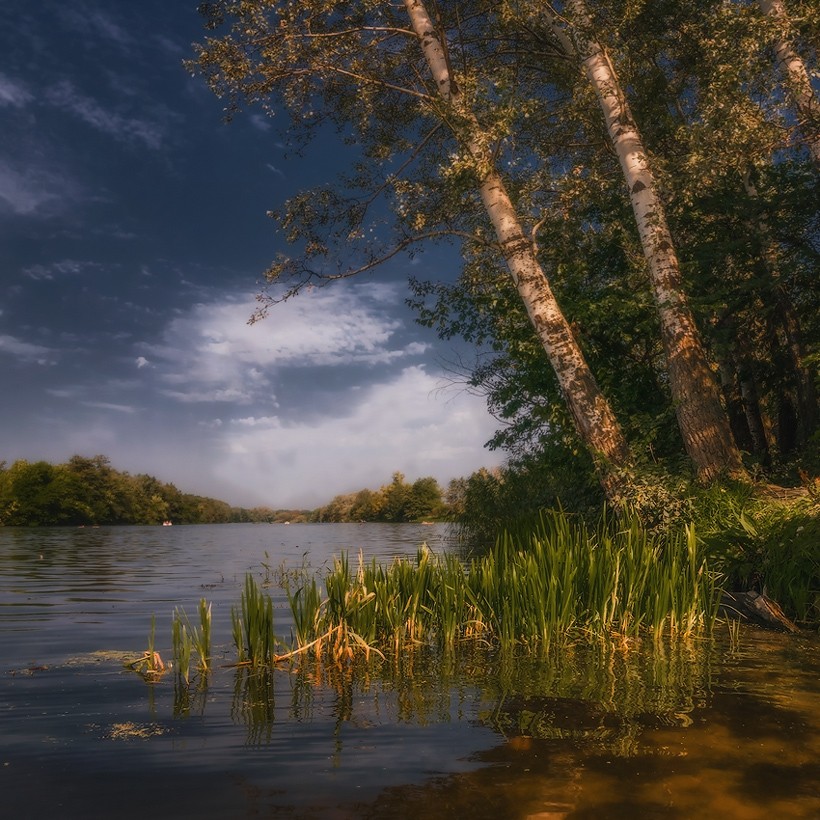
(89,491)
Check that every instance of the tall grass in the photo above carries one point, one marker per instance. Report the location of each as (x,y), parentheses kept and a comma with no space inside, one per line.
(252,625)
(551,581)
(187,640)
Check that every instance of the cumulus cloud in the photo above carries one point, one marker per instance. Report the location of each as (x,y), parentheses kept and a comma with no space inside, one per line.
(211,353)
(407,423)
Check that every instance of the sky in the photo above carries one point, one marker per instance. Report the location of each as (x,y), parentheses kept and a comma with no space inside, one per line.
(133,237)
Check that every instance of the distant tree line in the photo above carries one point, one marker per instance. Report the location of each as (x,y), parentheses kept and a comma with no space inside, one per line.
(89,491)
(398,501)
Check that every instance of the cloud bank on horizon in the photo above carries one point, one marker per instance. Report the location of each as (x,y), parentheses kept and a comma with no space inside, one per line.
(134,230)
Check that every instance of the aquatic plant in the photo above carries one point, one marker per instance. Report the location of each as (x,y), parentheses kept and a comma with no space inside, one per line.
(187,639)
(553,581)
(150,665)
(182,644)
(252,625)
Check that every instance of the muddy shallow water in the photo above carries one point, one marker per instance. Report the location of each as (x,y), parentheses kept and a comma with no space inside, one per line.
(723,728)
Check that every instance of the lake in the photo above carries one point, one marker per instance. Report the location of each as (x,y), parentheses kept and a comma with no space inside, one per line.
(722,728)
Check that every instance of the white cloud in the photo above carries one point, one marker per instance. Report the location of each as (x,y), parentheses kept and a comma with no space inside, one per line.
(27,191)
(141,362)
(250,421)
(104,405)
(97,24)
(232,395)
(260,121)
(407,424)
(61,268)
(212,354)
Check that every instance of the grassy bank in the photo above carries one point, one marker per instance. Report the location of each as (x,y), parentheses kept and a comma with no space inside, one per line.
(767,539)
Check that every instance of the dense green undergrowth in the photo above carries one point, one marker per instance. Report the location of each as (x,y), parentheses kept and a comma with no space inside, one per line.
(766,541)
(755,535)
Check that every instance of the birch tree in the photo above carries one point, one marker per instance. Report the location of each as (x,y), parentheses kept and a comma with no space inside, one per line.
(702,420)
(354,65)
(797,78)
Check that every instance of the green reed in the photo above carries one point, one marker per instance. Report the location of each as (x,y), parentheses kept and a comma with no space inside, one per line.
(182,644)
(188,639)
(552,581)
(252,625)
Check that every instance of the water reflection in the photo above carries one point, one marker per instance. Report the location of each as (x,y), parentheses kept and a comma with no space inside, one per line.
(683,730)
(254,702)
(680,730)
(191,697)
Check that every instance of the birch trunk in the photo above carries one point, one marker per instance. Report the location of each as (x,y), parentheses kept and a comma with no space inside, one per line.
(702,420)
(797,79)
(593,417)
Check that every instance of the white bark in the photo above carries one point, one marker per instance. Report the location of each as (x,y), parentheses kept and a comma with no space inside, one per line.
(797,79)
(594,419)
(701,418)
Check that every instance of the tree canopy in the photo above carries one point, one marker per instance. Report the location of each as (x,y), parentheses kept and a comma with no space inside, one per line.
(533,134)
(396,502)
(89,491)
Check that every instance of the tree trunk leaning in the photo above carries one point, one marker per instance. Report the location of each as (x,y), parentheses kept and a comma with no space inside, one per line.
(594,419)
(702,420)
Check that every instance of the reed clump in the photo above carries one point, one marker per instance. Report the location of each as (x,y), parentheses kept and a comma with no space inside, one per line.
(190,641)
(252,626)
(552,581)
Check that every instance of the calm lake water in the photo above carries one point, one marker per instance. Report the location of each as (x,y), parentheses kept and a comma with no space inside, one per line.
(712,729)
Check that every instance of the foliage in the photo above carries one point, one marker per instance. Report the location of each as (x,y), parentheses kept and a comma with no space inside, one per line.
(767,540)
(187,639)
(88,491)
(150,666)
(759,537)
(395,502)
(726,144)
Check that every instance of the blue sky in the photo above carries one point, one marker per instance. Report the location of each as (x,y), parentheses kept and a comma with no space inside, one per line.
(133,233)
